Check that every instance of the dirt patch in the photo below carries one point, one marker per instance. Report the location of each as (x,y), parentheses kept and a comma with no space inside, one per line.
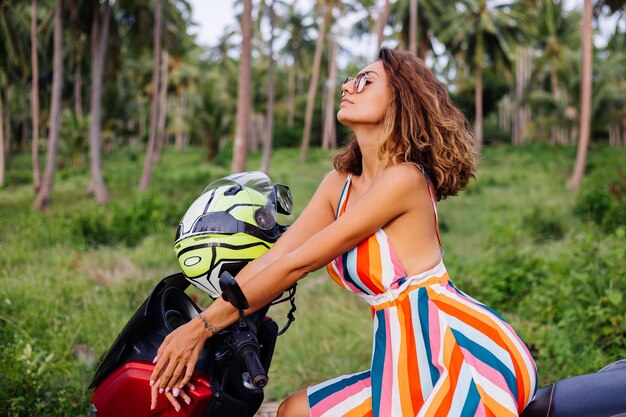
(268,409)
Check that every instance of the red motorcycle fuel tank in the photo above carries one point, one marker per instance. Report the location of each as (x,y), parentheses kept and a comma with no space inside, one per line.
(126,392)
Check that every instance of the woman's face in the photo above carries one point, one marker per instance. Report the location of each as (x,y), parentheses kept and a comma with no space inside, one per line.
(365,101)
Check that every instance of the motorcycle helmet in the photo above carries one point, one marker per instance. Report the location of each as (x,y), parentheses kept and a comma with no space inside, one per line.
(231,223)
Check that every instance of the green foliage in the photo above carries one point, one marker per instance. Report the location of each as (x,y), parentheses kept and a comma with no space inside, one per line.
(494,134)
(544,224)
(602,199)
(126,224)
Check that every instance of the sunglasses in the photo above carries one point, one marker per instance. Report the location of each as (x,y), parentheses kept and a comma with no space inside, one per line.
(359,83)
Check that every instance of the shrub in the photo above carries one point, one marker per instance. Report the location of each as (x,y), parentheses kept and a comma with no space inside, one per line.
(543,224)
(603,200)
(127,224)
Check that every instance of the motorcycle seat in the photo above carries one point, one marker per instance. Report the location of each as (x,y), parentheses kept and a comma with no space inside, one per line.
(600,394)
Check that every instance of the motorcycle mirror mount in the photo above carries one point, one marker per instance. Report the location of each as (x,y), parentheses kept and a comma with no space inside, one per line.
(231,292)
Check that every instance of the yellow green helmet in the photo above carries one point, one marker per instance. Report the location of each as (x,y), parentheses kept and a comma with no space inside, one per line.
(231,223)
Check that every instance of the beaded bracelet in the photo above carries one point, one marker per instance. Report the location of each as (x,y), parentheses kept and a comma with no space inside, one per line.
(207,325)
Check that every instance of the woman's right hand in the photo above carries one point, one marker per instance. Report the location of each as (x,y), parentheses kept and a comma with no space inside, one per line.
(176,360)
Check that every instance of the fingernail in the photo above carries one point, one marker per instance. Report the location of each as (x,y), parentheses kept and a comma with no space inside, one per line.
(154,360)
(167,389)
(188,401)
(177,409)
(151,382)
(160,390)
(176,391)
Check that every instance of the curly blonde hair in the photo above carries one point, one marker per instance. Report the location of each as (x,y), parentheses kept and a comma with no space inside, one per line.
(421,126)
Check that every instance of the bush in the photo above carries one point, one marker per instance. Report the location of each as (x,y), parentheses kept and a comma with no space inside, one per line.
(117,223)
(543,224)
(603,200)
(494,134)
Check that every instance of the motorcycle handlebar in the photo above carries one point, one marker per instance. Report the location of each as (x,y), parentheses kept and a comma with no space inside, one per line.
(257,373)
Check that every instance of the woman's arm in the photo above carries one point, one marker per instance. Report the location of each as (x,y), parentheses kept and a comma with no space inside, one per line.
(386,199)
(318,214)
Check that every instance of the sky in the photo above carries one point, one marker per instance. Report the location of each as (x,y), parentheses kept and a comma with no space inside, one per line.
(212,17)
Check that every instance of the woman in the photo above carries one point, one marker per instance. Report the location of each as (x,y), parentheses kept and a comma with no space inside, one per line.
(437,352)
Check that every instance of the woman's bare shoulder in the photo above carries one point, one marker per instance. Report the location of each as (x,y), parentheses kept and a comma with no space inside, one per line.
(333,182)
(402,177)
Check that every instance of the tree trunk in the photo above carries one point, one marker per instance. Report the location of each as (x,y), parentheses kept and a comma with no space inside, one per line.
(559,136)
(2,161)
(146,175)
(178,117)
(413,27)
(269,134)
(310,102)
(382,23)
(35,97)
(291,101)
(99,40)
(161,135)
(7,124)
(45,192)
(78,99)
(329,116)
(244,92)
(478,110)
(585,103)
(522,76)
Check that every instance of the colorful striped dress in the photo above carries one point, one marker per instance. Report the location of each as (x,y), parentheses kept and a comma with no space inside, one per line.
(436,351)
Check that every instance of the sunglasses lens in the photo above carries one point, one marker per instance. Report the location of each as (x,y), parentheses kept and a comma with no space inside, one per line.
(360,82)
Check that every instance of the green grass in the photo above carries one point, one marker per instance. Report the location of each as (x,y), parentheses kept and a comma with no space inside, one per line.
(63,299)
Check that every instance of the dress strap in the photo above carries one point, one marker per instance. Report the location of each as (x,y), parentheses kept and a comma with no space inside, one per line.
(341,206)
(434,201)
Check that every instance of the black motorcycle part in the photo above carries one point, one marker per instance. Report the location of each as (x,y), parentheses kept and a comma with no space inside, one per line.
(166,308)
(235,399)
(601,394)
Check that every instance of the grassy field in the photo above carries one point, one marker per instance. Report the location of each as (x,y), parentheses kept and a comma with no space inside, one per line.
(553,262)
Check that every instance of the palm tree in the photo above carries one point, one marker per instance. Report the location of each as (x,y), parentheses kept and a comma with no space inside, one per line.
(558,37)
(269,134)
(479,32)
(146,175)
(13,66)
(317,60)
(35,96)
(329,137)
(383,18)
(45,191)
(99,38)
(296,49)
(244,91)
(585,100)
(413,26)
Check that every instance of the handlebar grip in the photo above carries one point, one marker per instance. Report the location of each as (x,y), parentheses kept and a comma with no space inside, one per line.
(255,368)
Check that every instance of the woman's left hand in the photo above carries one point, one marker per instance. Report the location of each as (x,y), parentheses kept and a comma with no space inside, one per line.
(176,359)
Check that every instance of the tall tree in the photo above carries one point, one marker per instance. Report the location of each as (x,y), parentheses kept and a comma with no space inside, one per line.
(269,134)
(317,61)
(329,137)
(146,175)
(2,160)
(383,18)
(585,92)
(35,96)
(99,40)
(244,92)
(78,56)
(478,30)
(45,191)
(413,27)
